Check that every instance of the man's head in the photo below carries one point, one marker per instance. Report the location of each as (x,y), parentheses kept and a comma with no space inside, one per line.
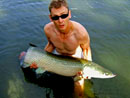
(60,14)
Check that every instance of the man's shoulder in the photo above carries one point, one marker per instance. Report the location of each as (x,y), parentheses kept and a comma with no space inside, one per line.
(48,26)
(79,28)
(81,31)
(77,24)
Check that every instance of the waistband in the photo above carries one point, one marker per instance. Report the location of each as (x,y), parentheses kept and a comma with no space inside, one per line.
(78,53)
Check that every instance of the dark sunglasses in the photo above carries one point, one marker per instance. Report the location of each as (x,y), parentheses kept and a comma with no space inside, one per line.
(63,16)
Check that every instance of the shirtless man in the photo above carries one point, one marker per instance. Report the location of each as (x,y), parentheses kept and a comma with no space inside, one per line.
(66,37)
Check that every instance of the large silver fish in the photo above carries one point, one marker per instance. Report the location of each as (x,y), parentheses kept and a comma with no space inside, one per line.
(66,66)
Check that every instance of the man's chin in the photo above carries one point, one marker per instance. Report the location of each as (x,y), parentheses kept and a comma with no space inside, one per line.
(62,29)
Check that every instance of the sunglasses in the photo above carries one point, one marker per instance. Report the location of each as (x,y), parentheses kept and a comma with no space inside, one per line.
(63,16)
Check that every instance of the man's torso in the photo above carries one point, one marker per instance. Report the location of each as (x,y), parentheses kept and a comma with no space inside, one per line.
(65,44)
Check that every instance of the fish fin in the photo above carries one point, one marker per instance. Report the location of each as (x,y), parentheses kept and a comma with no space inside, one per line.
(40,70)
(24,65)
(22,55)
(33,45)
(21,58)
(84,61)
(33,65)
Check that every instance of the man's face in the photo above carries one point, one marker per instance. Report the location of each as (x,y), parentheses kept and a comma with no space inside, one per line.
(60,17)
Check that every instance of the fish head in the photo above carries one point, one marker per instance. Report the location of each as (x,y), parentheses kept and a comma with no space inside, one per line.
(94,72)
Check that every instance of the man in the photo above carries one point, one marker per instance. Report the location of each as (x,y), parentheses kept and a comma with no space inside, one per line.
(66,37)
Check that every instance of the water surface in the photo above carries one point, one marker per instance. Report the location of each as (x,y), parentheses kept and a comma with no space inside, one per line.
(108,24)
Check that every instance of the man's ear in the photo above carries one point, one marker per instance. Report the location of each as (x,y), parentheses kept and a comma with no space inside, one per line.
(69,13)
(50,18)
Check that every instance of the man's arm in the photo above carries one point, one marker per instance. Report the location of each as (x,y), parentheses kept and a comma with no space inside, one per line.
(49,47)
(85,45)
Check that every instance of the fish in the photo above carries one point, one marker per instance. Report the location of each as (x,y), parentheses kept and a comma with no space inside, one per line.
(64,65)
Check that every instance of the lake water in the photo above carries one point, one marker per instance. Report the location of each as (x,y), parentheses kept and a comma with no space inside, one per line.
(108,24)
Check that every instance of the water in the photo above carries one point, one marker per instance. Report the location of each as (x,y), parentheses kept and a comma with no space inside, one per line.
(108,24)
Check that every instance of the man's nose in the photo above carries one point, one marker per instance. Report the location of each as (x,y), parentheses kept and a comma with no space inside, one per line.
(60,19)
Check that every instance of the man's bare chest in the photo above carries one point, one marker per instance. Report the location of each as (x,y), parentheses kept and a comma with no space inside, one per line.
(68,43)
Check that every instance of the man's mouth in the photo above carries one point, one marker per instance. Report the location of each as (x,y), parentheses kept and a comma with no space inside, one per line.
(61,26)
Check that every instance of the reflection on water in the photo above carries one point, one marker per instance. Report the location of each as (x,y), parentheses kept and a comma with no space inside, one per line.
(15,89)
(59,86)
(108,23)
(89,91)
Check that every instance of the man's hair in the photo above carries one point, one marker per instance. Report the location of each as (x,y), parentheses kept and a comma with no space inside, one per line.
(57,4)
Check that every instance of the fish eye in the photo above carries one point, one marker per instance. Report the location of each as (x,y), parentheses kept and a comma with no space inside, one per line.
(107,74)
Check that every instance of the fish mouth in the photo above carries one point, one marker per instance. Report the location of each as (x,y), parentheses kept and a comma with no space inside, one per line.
(112,76)
(109,76)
